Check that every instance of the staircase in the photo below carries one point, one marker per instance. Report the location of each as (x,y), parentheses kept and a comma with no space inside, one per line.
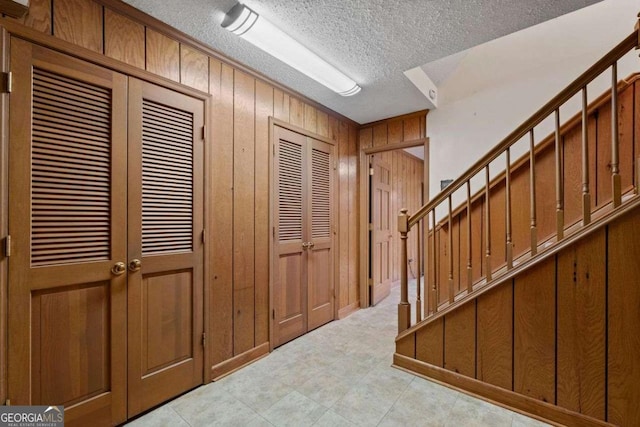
(531,290)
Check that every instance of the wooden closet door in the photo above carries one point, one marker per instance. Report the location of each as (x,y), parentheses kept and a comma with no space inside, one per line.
(67,221)
(290,210)
(319,229)
(165,294)
(382,219)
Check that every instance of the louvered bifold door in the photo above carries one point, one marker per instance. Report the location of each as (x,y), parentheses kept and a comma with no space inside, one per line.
(290,212)
(67,310)
(320,295)
(165,248)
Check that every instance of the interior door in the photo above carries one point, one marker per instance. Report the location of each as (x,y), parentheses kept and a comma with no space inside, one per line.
(381,212)
(320,287)
(165,226)
(289,291)
(67,217)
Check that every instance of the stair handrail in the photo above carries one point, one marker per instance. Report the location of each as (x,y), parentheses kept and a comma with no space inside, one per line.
(406,222)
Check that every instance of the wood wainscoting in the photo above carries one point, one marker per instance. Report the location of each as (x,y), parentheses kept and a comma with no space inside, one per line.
(560,341)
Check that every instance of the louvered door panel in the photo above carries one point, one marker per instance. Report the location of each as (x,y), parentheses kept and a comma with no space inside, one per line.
(167,179)
(71,171)
(290,191)
(321,194)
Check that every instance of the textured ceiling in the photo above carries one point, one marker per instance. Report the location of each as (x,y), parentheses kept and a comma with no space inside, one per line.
(372,41)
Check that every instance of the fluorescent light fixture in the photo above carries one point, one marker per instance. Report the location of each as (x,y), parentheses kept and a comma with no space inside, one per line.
(244,22)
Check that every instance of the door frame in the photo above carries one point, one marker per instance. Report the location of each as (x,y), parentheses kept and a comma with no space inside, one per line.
(273,122)
(365,201)
(10,29)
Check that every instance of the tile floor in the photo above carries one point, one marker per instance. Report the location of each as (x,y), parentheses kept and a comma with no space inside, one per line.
(338,375)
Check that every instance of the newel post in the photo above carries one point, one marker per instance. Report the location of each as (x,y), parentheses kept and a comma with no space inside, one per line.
(404,308)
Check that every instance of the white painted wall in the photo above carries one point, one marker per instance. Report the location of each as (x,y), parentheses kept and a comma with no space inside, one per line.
(498,85)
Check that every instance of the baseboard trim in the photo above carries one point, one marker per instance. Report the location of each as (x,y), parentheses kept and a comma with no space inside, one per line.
(508,399)
(348,310)
(227,367)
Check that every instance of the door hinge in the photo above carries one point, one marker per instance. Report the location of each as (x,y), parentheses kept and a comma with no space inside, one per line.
(273,232)
(204,339)
(7,82)
(370,171)
(7,246)
(370,281)
(335,165)
(370,227)
(7,402)
(204,132)
(273,149)
(273,313)
(204,236)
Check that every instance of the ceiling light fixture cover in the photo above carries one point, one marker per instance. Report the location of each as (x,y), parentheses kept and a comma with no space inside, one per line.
(244,22)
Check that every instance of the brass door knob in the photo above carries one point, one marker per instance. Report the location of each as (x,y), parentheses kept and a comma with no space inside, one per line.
(135,265)
(305,245)
(118,268)
(310,244)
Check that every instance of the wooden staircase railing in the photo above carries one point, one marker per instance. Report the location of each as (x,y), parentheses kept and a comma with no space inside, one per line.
(494,267)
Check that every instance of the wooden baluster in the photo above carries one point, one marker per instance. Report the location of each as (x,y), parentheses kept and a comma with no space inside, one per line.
(451,291)
(615,142)
(469,271)
(586,197)
(559,183)
(404,308)
(509,242)
(418,278)
(434,254)
(532,193)
(487,217)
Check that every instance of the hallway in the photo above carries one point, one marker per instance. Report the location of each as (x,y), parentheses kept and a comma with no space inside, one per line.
(337,375)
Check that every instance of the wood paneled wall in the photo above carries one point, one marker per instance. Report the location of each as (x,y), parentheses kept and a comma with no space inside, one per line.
(565,332)
(239,175)
(599,125)
(407,173)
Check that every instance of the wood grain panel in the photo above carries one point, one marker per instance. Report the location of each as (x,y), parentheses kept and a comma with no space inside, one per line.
(413,128)
(310,119)
(380,135)
(407,346)
(243,211)
(477,240)
(623,370)
(365,138)
(545,199)
(442,266)
(460,340)
(281,105)
(163,55)
(498,226)
(39,16)
(534,332)
(70,344)
(79,22)
(430,343)
(124,39)
(322,126)
(221,220)
(194,68)
(581,326)
(167,317)
(636,133)
(264,109)
(354,248)
(343,212)
(520,211)
(455,253)
(495,336)
(296,112)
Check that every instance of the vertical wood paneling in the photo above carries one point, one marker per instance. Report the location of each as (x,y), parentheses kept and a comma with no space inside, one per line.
(354,248)
(430,343)
(366,138)
(413,129)
(380,135)
(460,340)
(520,211)
(243,211)
(221,232)
(194,68)
(124,39)
(498,226)
(322,127)
(344,204)
(280,105)
(39,16)
(624,321)
(477,240)
(264,109)
(310,119)
(407,346)
(163,55)
(534,332)
(495,336)
(296,112)
(78,22)
(581,326)
(546,201)
(636,131)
